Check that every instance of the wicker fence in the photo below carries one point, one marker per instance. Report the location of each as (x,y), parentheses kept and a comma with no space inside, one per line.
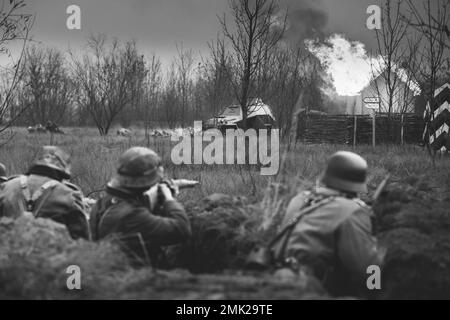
(346,129)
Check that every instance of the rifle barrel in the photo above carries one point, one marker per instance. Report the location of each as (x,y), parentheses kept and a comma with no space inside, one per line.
(381,187)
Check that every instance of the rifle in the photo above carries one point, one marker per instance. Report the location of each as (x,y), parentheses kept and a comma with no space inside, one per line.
(155,196)
(380,188)
(179,184)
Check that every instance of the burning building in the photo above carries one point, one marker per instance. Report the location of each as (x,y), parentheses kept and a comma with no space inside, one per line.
(355,76)
(403,96)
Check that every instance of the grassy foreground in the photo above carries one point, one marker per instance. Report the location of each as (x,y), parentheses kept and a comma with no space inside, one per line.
(413,223)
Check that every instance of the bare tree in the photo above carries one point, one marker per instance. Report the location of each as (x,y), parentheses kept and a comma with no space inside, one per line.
(184,63)
(136,92)
(15,25)
(433,25)
(411,63)
(106,76)
(291,71)
(435,21)
(391,50)
(213,73)
(46,86)
(170,97)
(153,91)
(256,30)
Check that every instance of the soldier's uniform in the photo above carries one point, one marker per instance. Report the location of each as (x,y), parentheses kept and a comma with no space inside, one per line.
(124,213)
(3,175)
(334,240)
(44,193)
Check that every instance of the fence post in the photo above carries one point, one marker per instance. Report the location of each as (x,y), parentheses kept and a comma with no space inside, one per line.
(373,128)
(355,125)
(402,131)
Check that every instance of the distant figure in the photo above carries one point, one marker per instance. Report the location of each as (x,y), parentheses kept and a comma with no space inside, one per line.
(53,127)
(125,213)
(157,133)
(3,175)
(39,128)
(124,133)
(44,193)
(328,231)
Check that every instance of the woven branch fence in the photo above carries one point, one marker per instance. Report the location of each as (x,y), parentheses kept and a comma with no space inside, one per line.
(355,130)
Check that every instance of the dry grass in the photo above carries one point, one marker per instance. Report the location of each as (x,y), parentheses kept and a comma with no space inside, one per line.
(94,160)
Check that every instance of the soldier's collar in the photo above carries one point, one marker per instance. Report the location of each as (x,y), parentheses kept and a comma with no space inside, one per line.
(124,193)
(327,191)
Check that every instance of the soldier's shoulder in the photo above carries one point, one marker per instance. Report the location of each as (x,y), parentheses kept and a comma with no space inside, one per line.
(361,204)
(112,202)
(70,186)
(300,199)
(11,181)
(353,204)
(116,207)
(13,177)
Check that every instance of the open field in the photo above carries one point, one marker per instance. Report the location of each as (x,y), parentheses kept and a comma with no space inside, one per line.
(413,222)
(94,159)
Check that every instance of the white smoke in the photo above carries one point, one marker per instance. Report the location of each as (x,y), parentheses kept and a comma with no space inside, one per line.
(346,62)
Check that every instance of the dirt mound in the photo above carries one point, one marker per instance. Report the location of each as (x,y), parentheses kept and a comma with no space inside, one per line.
(223,233)
(417,265)
(35,255)
(184,285)
(414,227)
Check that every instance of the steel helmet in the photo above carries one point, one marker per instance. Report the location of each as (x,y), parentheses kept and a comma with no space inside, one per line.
(346,171)
(138,168)
(54,158)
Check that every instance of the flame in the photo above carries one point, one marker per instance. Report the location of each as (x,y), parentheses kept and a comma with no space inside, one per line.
(346,62)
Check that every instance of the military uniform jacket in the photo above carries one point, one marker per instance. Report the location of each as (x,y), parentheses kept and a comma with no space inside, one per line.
(334,240)
(61,202)
(127,218)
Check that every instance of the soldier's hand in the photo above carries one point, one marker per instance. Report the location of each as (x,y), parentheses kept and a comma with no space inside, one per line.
(166,192)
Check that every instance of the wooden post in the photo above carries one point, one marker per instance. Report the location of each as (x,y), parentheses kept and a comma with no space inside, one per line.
(374,104)
(355,129)
(402,131)
(373,128)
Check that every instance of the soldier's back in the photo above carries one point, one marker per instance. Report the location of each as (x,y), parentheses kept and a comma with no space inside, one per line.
(107,214)
(61,202)
(316,233)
